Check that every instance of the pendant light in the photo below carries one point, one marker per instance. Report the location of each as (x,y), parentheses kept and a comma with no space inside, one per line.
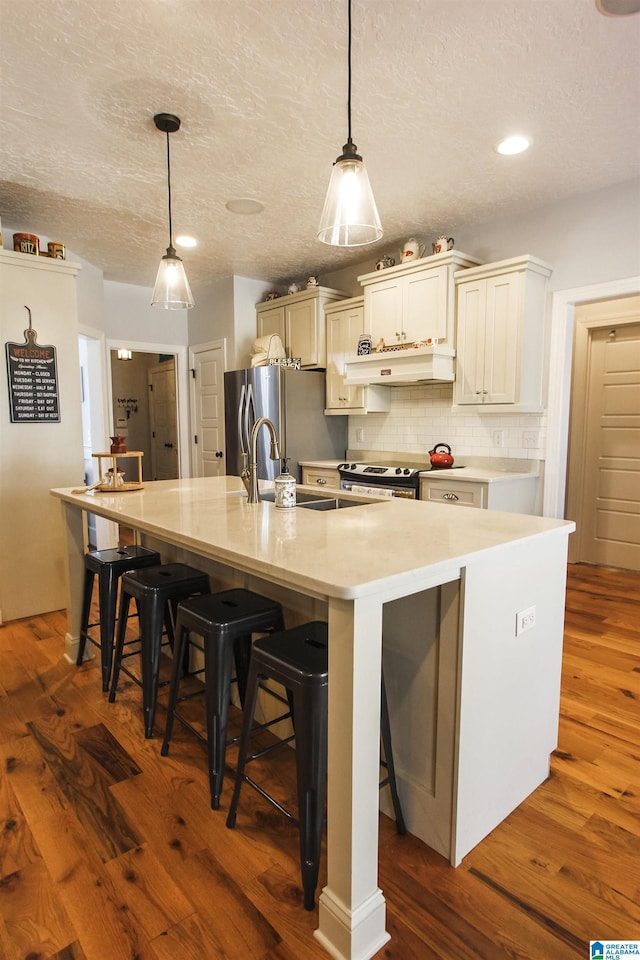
(349,217)
(172,289)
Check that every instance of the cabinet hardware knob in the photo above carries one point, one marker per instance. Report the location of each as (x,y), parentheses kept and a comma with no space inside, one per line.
(321,480)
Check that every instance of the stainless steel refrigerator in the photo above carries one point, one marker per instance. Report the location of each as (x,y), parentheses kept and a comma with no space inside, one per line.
(294,401)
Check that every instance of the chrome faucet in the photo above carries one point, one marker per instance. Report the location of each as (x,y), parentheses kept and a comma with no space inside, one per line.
(252,487)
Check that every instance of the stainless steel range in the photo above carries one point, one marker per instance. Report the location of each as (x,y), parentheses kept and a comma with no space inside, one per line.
(382,479)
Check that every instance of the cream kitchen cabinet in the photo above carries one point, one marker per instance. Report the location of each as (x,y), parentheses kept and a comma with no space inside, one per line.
(345,323)
(299,321)
(513,494)
(321,477)
(414,301)
(501,335)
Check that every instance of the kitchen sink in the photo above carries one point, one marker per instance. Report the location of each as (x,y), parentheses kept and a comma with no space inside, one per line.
(312,502)
(336,503)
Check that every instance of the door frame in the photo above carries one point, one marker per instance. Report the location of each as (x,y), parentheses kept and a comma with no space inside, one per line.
(561,339)
(195,348)
(578,419)
(106,530)
(182,391)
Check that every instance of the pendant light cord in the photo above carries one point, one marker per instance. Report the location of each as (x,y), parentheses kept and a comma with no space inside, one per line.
(349,77)
(169,191)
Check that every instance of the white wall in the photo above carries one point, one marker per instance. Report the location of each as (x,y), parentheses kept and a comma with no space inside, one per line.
(246,293)
(38,456)
(226,310)
(212,316)
(130,316)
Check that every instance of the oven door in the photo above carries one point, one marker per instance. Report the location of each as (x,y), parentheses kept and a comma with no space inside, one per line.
(377,489)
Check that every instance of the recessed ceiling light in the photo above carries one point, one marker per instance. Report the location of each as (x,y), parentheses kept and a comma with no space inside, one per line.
(186,241)
(512,145)
(244,205)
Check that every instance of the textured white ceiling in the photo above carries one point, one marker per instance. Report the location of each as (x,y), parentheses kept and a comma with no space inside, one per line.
(260,86)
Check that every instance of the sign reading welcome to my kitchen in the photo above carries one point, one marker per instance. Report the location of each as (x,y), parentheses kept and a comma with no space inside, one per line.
(33,380)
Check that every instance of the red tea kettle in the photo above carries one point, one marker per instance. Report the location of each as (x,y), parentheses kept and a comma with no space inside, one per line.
(439,458)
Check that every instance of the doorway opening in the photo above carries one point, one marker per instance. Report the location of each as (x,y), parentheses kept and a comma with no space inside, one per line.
(145,410)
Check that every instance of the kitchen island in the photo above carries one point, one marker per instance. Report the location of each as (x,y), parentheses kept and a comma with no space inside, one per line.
(451,588)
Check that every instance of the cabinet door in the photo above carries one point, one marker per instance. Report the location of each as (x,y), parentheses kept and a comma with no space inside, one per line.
(383,311)
(321,477)
(272,321)
(470,342)
(501,339)
(343,330)
(453,492)
(303,333)
(425,305)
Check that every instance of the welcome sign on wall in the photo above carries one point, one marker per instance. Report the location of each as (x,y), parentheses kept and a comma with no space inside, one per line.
(32,370)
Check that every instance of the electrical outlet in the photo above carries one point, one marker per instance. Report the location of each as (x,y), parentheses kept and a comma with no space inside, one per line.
(359,434)
(498,438)
(529,439)
(525,620)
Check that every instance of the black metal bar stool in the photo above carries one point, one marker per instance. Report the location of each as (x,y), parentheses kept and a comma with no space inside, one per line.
(225,621)
(109,565)
(157,592)
(298,659)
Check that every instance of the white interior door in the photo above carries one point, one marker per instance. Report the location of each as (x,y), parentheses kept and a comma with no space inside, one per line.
(611,524)
(604,490)
(164,425)
(207,410)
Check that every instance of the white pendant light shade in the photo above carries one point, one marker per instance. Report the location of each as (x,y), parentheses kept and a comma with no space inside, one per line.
(349,217)
(172,290)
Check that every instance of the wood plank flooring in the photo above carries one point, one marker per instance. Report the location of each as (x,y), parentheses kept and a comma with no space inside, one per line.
(110,852)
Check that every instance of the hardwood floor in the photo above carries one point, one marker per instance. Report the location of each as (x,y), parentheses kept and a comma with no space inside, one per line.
(110,852)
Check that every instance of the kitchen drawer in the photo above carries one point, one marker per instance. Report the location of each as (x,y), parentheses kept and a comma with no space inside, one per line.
(445,491)
(321,477)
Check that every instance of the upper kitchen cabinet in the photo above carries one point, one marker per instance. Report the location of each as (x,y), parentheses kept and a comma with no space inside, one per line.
(345,323)
(299,321)
(414,301)
(501,335)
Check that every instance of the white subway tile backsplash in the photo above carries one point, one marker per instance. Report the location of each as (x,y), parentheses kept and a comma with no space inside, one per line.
(421,416)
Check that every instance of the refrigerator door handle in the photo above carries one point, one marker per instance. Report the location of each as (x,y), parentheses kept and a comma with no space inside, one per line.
(243,449)
(249,418)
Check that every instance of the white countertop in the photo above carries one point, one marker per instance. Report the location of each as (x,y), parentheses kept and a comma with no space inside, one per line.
(339,553)
(483,473)
(322,464)
(477,474)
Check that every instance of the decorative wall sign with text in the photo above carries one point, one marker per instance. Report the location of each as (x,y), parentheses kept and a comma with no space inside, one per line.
(33,380)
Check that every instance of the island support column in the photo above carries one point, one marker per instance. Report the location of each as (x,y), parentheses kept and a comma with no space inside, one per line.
(352,908)
(74,525)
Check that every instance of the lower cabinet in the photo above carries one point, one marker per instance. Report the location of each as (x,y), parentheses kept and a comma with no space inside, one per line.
(515,495)
(321,477)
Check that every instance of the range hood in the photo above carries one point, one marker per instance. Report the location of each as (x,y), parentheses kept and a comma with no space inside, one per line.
(402,366)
